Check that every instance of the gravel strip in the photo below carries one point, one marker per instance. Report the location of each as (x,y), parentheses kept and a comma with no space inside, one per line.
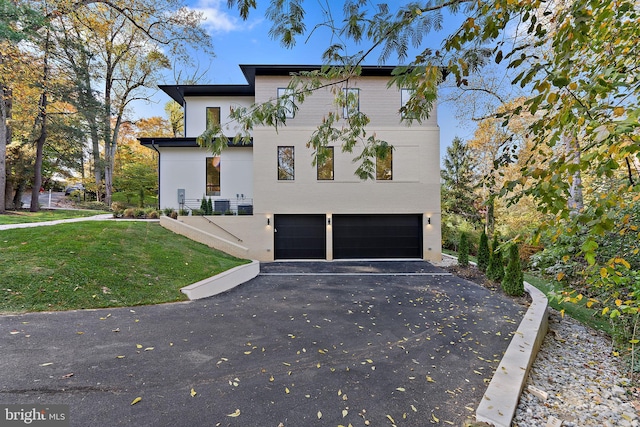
(583,382)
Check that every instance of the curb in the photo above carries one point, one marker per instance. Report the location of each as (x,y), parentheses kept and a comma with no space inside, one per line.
(499,403)
(222,282)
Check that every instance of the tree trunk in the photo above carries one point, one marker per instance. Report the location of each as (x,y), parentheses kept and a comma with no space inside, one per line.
(5,137)
(37,177)
(19,191)
(490,215)
(575,201)
(42,138)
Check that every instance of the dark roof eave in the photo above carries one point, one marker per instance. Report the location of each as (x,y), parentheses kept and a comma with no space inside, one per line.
(179,92)
(184,142)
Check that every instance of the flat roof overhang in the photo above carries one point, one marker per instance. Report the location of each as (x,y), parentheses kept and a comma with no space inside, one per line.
(184,142)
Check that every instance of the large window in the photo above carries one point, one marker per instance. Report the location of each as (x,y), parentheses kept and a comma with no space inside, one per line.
(213,176)
(325,164)
(213,117)
(285,99)
(351,102)
(286,166)
(384,170)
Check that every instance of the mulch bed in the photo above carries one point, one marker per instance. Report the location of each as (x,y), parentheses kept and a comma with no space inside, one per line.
(473,274)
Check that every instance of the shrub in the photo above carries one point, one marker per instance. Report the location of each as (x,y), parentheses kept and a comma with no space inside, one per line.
(209,207)
(512,283)
(483,252)
(129,213)
(203,206)
(495,270)
(463,252)
(167,211)
(173,214)
(118,207)
(153,215)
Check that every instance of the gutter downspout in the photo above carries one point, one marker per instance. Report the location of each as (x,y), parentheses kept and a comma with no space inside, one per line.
(157,151)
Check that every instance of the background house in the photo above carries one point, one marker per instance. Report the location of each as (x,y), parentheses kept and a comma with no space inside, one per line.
(275,204)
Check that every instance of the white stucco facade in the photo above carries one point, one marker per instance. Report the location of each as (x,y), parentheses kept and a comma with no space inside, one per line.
(249,174)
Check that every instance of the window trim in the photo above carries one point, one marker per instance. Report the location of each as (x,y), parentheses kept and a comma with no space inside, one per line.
(288,104)
(293,164)
(333,164)
(346,112)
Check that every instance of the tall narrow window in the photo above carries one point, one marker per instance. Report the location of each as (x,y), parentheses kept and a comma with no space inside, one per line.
(213,117)
(285,164)
(405,95)
(351,101)
(384,170)
(325,164)
(285,100)
(213,176)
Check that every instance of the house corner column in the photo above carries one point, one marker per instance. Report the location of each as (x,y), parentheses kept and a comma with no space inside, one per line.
(329,239)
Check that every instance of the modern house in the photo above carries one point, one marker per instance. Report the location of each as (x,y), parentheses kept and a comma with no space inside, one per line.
(271,203)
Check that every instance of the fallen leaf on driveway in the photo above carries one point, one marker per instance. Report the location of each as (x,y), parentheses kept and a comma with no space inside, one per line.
(46,364)
(193,393)
(234,414)
(136,400)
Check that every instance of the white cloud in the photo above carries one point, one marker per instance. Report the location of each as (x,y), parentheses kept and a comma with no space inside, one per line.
(216,18)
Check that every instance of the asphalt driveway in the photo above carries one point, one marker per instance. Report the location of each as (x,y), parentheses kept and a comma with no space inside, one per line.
(303,344)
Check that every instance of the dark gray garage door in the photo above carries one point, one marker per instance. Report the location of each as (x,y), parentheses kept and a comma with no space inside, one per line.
(300,236)
(377,236)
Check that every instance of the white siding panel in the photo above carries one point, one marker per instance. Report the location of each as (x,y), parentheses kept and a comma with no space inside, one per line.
(186,168)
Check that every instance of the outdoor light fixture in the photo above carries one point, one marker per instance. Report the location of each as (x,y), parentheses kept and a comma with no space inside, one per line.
(328,221)
(268,221)
(429,220)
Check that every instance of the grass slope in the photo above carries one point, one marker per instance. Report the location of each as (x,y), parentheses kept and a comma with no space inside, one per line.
(100,264)
(21,217)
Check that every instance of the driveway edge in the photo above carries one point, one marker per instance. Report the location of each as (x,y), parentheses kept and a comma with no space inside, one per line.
(222,282)
(499,403)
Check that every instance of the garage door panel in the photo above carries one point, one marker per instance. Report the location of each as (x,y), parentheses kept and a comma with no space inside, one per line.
(377,236)
(300,237)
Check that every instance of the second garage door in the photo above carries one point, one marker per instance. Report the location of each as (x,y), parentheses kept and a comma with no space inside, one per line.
(377,236)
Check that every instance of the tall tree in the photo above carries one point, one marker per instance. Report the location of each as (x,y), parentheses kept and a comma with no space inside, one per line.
(17,21)
(459,181)
(152,27)
(176,118)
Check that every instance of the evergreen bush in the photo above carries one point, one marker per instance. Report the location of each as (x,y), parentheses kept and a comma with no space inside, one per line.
(203,205)
(495,270)
(483,252)
(209,207)
(512,283)
(463,250)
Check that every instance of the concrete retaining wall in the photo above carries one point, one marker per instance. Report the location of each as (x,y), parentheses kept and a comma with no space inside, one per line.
(205,238)
(222,282)
(500,401)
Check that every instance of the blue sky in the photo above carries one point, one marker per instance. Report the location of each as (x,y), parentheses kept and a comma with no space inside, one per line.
(248,42)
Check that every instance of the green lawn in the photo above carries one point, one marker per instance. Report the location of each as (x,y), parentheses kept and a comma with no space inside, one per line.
(21,216)
(100,264)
